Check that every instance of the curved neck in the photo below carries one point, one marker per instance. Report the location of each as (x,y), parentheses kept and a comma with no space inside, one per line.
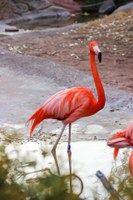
(97,81)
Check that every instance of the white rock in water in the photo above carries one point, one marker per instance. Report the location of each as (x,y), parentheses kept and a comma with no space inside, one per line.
(95,129)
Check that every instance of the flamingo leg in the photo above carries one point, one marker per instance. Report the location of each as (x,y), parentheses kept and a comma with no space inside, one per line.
(54,150)
(69,157)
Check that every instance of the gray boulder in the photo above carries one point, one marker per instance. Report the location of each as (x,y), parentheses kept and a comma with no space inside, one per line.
(107,7)
(124,8)
(15,10)
(53,12)
(38,5)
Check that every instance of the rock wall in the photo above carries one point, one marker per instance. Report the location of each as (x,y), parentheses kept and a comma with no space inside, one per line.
(14,8)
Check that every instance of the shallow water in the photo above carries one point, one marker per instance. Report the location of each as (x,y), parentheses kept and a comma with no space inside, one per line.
(87,158)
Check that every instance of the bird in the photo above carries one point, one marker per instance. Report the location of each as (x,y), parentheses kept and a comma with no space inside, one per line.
(73,103)
(123,139)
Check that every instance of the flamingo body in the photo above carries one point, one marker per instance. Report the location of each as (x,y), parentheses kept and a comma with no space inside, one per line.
(121,140)
(67,106)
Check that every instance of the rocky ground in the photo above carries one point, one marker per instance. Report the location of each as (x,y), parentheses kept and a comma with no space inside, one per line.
(70,47)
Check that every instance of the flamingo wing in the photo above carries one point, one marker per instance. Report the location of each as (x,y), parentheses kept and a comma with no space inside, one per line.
(69,105)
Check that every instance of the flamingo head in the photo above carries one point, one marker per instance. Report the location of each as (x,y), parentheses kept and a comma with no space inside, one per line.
(95,49)
(119,140)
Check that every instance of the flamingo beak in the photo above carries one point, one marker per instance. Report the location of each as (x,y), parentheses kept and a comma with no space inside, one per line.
(120,142)
(100,57)
(98,53)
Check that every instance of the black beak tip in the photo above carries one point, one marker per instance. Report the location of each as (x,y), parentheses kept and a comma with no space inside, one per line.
(108,144)
(100,57)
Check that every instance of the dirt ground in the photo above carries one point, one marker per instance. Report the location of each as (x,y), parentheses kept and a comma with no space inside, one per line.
(70,46)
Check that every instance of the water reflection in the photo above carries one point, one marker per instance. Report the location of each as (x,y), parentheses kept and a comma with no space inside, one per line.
(87,158)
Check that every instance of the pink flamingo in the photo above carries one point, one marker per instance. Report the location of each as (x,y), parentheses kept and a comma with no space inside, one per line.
(72,104)
(121,140)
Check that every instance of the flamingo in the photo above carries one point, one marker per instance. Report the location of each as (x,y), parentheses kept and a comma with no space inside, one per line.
(123,139)
(72,104)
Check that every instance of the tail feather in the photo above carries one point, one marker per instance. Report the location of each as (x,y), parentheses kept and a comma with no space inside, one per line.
(116,150)
(37,117)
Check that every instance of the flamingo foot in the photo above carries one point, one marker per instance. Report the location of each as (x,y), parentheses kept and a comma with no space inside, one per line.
(69,149)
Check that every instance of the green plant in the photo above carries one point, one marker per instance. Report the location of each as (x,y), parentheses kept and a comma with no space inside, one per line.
(121,178)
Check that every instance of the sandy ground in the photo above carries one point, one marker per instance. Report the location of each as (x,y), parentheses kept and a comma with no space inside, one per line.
(28,77)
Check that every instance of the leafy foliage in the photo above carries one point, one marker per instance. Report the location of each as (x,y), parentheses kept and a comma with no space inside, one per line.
(121,178)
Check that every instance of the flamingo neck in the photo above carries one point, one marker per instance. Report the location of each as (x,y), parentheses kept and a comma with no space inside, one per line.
(98,83)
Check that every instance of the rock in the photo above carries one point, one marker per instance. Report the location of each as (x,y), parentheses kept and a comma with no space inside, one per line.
(7,9)
(29,10)
(38,5)
(11,29)
(52,12)
(107,7)
(70,5)
(124,8)
(21,8)
(130,29)
(96,131)
(59,11)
